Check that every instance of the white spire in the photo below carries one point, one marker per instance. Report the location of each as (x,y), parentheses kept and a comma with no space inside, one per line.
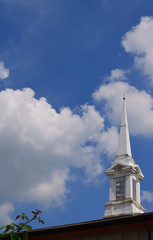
(124,146)
(124,178)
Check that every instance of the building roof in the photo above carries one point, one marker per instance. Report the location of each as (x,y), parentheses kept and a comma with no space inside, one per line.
(101,224)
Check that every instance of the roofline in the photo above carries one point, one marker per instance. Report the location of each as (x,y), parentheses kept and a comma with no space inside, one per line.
(96,224)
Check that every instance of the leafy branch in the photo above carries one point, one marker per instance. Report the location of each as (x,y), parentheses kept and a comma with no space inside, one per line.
(19,231)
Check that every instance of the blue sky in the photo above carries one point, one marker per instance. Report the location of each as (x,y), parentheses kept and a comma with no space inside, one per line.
(64,67)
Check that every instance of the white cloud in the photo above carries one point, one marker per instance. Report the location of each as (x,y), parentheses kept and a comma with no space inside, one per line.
(5,210)
(139,42)
(39,146)
(147,196)
(117,74)
(4,72)
(139,103)
(46,192)
(109,141)
(139,106)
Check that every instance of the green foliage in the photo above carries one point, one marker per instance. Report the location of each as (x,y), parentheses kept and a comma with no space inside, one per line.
(19,231)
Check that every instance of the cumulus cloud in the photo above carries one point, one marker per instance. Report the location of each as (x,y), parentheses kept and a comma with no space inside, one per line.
(117,74)
(109,141)
(138,41)
(4,72)
(147,196)
(46,192)
(39,146)
(139,106)
(5,210)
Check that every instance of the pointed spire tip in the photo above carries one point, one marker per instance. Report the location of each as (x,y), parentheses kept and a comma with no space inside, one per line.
(124,146)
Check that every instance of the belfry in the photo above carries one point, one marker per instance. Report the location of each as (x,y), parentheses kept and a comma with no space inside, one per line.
(124,177)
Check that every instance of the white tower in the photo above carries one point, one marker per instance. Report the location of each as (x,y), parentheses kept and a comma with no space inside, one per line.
(124,177)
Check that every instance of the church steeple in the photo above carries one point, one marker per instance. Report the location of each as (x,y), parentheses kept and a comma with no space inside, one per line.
(124,177)
(124,146)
